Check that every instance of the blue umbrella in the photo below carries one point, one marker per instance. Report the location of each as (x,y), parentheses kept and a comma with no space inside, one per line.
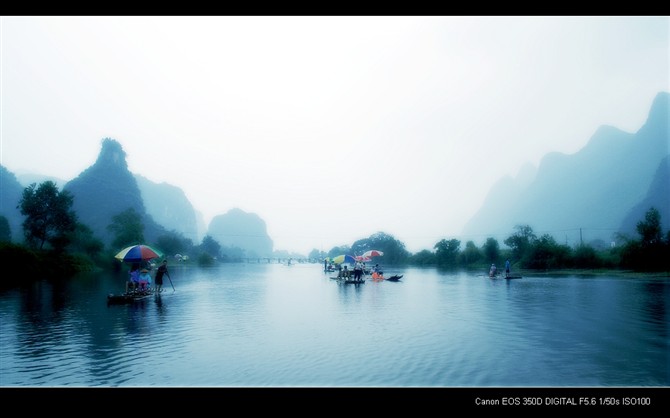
(344,259)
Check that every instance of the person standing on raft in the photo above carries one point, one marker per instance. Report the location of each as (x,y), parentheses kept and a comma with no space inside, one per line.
(162,270)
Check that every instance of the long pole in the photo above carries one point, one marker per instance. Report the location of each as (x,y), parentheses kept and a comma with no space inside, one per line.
(168,274)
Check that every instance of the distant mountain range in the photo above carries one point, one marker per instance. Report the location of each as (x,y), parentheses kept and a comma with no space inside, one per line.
(590,196)
(107,188)
(170,207)
(11,192)
(237,228)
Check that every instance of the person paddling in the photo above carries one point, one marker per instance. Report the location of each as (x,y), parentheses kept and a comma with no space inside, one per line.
(162,270)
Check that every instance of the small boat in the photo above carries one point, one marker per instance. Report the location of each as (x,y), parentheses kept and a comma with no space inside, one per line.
(352,281)
(500,276)
(394,278)
(128,297)
(348,280)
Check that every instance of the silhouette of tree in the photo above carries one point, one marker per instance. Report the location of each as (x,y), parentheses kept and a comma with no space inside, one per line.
(127,228)
(210,247)
(520,241)
(650,229)
(49,216)
(446,252)
(470,254)
(491,250)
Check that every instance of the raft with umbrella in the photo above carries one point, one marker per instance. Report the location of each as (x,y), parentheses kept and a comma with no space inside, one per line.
(134,254)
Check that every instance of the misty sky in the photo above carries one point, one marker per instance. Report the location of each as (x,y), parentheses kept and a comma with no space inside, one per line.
(328,128)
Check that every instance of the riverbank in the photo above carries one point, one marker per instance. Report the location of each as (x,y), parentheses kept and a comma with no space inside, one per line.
(593,272)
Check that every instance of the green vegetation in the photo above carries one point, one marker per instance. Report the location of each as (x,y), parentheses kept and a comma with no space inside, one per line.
(127,228)
(529,252)
(652,251)
(49,216)
(56,245)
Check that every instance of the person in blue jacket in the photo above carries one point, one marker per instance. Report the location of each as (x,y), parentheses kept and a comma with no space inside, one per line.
(145,280)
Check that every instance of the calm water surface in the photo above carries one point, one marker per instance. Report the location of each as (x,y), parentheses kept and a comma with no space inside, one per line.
(272,325)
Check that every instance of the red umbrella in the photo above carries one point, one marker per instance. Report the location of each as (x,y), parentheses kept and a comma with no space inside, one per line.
(362,258)
(372,253)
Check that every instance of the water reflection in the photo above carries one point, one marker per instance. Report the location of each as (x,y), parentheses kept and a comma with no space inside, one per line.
(654,303)
(274,325)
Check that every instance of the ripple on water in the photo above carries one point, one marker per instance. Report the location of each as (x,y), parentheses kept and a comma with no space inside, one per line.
(246,325)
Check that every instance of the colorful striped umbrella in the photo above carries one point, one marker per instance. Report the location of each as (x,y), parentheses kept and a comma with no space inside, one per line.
(138,253)
(344,259)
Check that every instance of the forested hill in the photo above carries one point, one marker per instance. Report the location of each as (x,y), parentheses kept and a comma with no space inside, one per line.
(107,189)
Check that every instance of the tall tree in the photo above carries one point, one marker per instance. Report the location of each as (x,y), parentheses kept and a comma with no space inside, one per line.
(491,250)
(49,216)
(471,254)
(127,228)
(447,251)
(652,251)
(520,241)
(650,228)
(393,249)
(210,246)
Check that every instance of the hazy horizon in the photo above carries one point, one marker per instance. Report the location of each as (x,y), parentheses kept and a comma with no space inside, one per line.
(328,128)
